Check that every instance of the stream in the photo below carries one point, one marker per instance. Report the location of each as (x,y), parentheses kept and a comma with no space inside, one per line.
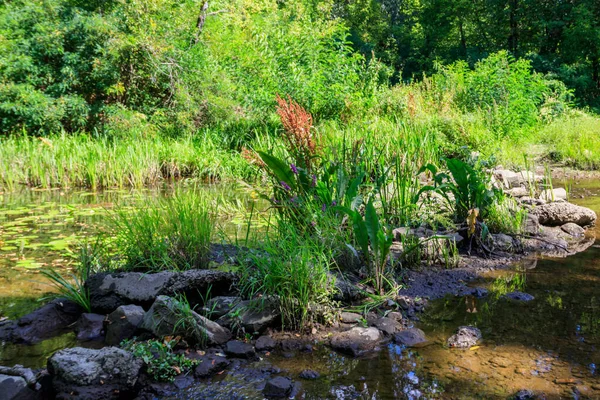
(550,345)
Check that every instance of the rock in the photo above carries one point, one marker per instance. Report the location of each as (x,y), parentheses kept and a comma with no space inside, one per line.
(122,323)
(15,388)
(509,178)
(346,292)
(517,192)
(252,318)
(238,349)
(265,343)
(551,195)
(410,337)
(163,319)
(350,318)
(530,177)
(465,337)
(530,201)
(219,306)
(387,325)
(395,315)
(557,214)
(278,387)
(357,340)
(111,290)
(503,242)
(210,364)
(19,371)
(519,296)
(524,394)
(479,292)
(108,373)
(309,374)
(573,229)
(531,225)
(90,326)
(48,321)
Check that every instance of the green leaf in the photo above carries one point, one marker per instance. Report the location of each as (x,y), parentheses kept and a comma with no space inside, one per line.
(372,224)
(280,169)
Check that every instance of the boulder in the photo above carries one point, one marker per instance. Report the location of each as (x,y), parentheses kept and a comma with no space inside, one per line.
(509,178)
(48,321)
(165,318)
(557,214)
(122,323)
(503,242)
(252,318)
(517,192)
(465,337)
(346,291)
(551,195)
(387,325)
(210,364)
(265,343)
(15,388)
(350,318)
(410,337)
(573,229)
(278,387)
(357,340)
(530,201)
(90,326)
(108,373)
(531,225)
(111,290)
(219,306)
(238,349)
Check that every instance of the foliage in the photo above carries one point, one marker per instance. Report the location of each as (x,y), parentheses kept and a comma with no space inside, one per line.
(506,216)
(169,233)
(465,189)
(295,270)
(162,364)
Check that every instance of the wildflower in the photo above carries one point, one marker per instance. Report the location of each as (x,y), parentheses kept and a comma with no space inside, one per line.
(294,169)
(314,180)
(334,203)
(286,187)
(323,208)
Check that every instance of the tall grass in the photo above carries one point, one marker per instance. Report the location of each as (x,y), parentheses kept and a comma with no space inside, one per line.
(95,163)
(169,233)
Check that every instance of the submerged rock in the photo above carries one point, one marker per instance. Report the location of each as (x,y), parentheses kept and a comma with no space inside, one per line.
(278,387)
(557,214)
(210,364)
(165,316)
(90,326)
(465,337)
(410,337)
(357,340)
(387,325)
(519,296)
(48,321)
(525,394)
(123,322)
(111,290)
(108,373)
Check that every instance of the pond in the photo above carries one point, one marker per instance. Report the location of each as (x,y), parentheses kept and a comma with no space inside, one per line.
(549,345)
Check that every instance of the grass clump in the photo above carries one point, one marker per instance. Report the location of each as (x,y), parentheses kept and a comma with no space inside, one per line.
(162,364)
(171,232)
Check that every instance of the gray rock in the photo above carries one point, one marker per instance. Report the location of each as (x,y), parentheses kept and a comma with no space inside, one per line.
(265,343)
(551,195)
(219,306)
(108,373)
(122,323)
(557,214)
(395,315)
(465,337)
(573,229)
(346,292)
(278,387)
(530,201)
(111,290)
(519,296)
(525,394)
(517,192)
(357,340)
(14,388)
(387,325)
(509,178)
(20,371)
(238,349)
(309,374)
(252,318)
(210,364)
(349,317)
(90,326)
(503,242)
(531,225)
(54,318)
(410,337)
(164,317)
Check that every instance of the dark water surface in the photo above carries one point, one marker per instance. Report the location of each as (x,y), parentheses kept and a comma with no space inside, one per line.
(550,345)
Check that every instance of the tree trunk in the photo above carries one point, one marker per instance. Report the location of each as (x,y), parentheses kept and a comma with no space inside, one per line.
(513,39)
(201,20)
